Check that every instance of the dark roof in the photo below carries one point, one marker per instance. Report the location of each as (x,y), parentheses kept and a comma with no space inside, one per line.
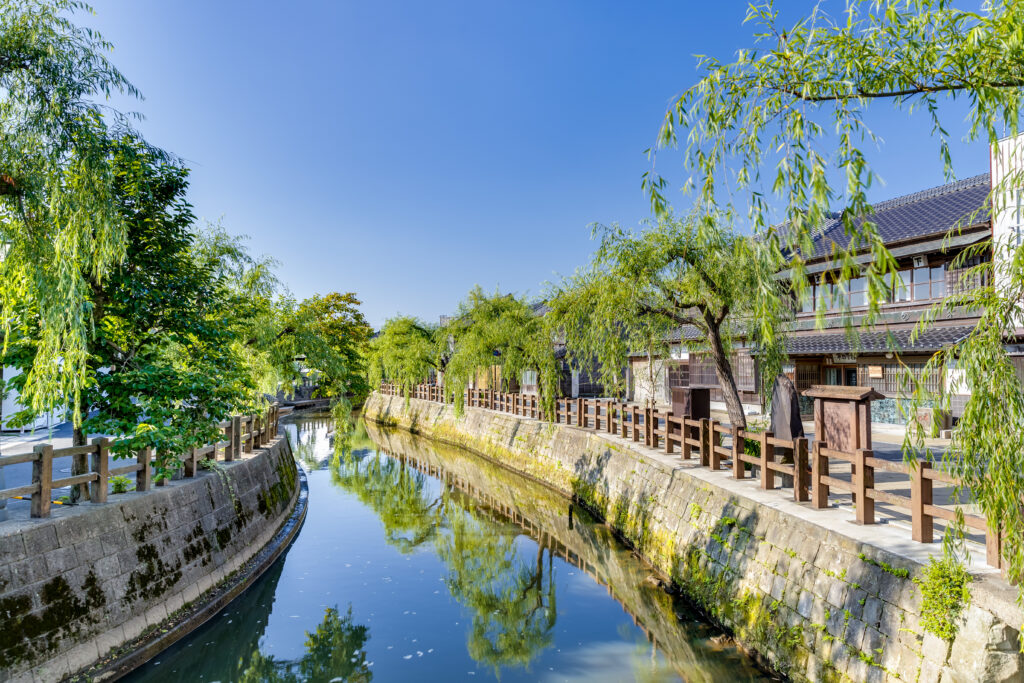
(921,214)
(687,332)
(875,342)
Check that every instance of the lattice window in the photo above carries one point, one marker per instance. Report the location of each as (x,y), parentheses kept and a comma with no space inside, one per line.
(744,371)
(896,379)
(807,375)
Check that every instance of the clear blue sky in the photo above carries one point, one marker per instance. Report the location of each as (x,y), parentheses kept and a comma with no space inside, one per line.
(409,150)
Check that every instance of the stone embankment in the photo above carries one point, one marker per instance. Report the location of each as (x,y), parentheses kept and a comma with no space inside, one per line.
(818,597)
(83,584)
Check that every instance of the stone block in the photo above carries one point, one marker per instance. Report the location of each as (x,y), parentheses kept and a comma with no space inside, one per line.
(39,540)
(836,596)
(854,634)
(12,548)
(935,649)
(61,560)
(805,604)
(29,571)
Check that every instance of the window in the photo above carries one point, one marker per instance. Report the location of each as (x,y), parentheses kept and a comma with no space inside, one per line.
(929,283)
(858,292)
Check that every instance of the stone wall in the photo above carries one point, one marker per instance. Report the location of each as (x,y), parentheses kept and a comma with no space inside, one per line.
(817,596)
(87,580)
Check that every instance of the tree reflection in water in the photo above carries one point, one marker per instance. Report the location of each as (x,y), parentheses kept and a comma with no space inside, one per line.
(511,598)
(334,652)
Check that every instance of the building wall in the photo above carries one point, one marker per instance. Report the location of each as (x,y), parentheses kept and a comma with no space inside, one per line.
(644,389)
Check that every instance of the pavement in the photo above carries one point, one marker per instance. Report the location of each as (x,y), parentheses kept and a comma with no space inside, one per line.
(11,476)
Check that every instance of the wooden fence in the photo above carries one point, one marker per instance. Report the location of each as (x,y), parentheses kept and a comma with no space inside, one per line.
(719,446)
(242,434)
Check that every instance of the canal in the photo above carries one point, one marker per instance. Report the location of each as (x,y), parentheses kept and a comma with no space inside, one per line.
(419,561)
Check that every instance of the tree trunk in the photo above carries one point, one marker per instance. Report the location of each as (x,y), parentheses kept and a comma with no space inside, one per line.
(79,463)
(723,370)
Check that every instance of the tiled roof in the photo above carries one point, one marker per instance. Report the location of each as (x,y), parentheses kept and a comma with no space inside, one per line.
(921,214)
(875,342)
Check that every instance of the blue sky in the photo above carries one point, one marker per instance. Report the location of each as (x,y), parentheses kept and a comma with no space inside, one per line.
(409,150)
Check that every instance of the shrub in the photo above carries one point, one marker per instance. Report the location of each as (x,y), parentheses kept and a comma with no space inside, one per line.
(945,589)
(120,484)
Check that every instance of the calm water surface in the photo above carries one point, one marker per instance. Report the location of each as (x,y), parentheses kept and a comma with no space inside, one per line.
(421,562)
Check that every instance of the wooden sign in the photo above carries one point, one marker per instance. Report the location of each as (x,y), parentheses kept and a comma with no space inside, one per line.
(875,371)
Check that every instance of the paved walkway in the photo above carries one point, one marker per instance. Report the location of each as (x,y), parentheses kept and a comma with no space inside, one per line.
(21,474)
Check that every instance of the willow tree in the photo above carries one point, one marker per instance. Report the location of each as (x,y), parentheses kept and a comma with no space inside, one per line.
(498,331)
(59,218)
(642,286)
(404,352)
(790,116)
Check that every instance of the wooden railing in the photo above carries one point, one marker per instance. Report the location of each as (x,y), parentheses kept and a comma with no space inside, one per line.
(91,468)
(719,446)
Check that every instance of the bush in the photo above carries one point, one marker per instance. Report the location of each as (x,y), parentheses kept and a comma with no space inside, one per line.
(945,589)
(120,484)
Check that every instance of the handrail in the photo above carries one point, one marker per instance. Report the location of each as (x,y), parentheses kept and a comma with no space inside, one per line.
(91,470)
(703,440)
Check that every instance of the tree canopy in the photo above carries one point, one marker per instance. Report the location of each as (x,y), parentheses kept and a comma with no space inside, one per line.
(640,287)
(498,330)
(404,352)
(60,219)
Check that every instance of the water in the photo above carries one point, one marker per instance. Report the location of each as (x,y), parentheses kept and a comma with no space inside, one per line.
(466,573)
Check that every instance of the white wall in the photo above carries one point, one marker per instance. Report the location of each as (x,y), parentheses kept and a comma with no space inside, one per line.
(643,388)
(11,405)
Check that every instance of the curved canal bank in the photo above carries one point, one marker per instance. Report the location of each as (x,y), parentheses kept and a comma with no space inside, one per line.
(89,586)
(419,561)
(818,603)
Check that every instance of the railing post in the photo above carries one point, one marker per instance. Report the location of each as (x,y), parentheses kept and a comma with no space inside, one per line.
(668,432)
(707,433)
(767,475)
(144,477)
(800,470)
(191,462)
(715,456)
(42,475)
(994,549)
(922,528)
(739,443)
(864,480)
(581,418)
(100,465)
(819,469)
(687,432)
(610,416)
(235,450)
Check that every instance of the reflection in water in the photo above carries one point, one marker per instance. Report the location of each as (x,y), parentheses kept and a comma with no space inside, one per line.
(512,601)
(459,569)
(334,652)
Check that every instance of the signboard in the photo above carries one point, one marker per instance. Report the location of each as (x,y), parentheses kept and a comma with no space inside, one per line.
(844,358)
(875,371)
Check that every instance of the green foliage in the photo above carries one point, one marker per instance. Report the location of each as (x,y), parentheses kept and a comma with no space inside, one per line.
(404,352)
(60,218)
(498,331)
(898,572)
(945,590)
(334,651)
(160,374)
(640,287)
(789,117)
(120,484)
